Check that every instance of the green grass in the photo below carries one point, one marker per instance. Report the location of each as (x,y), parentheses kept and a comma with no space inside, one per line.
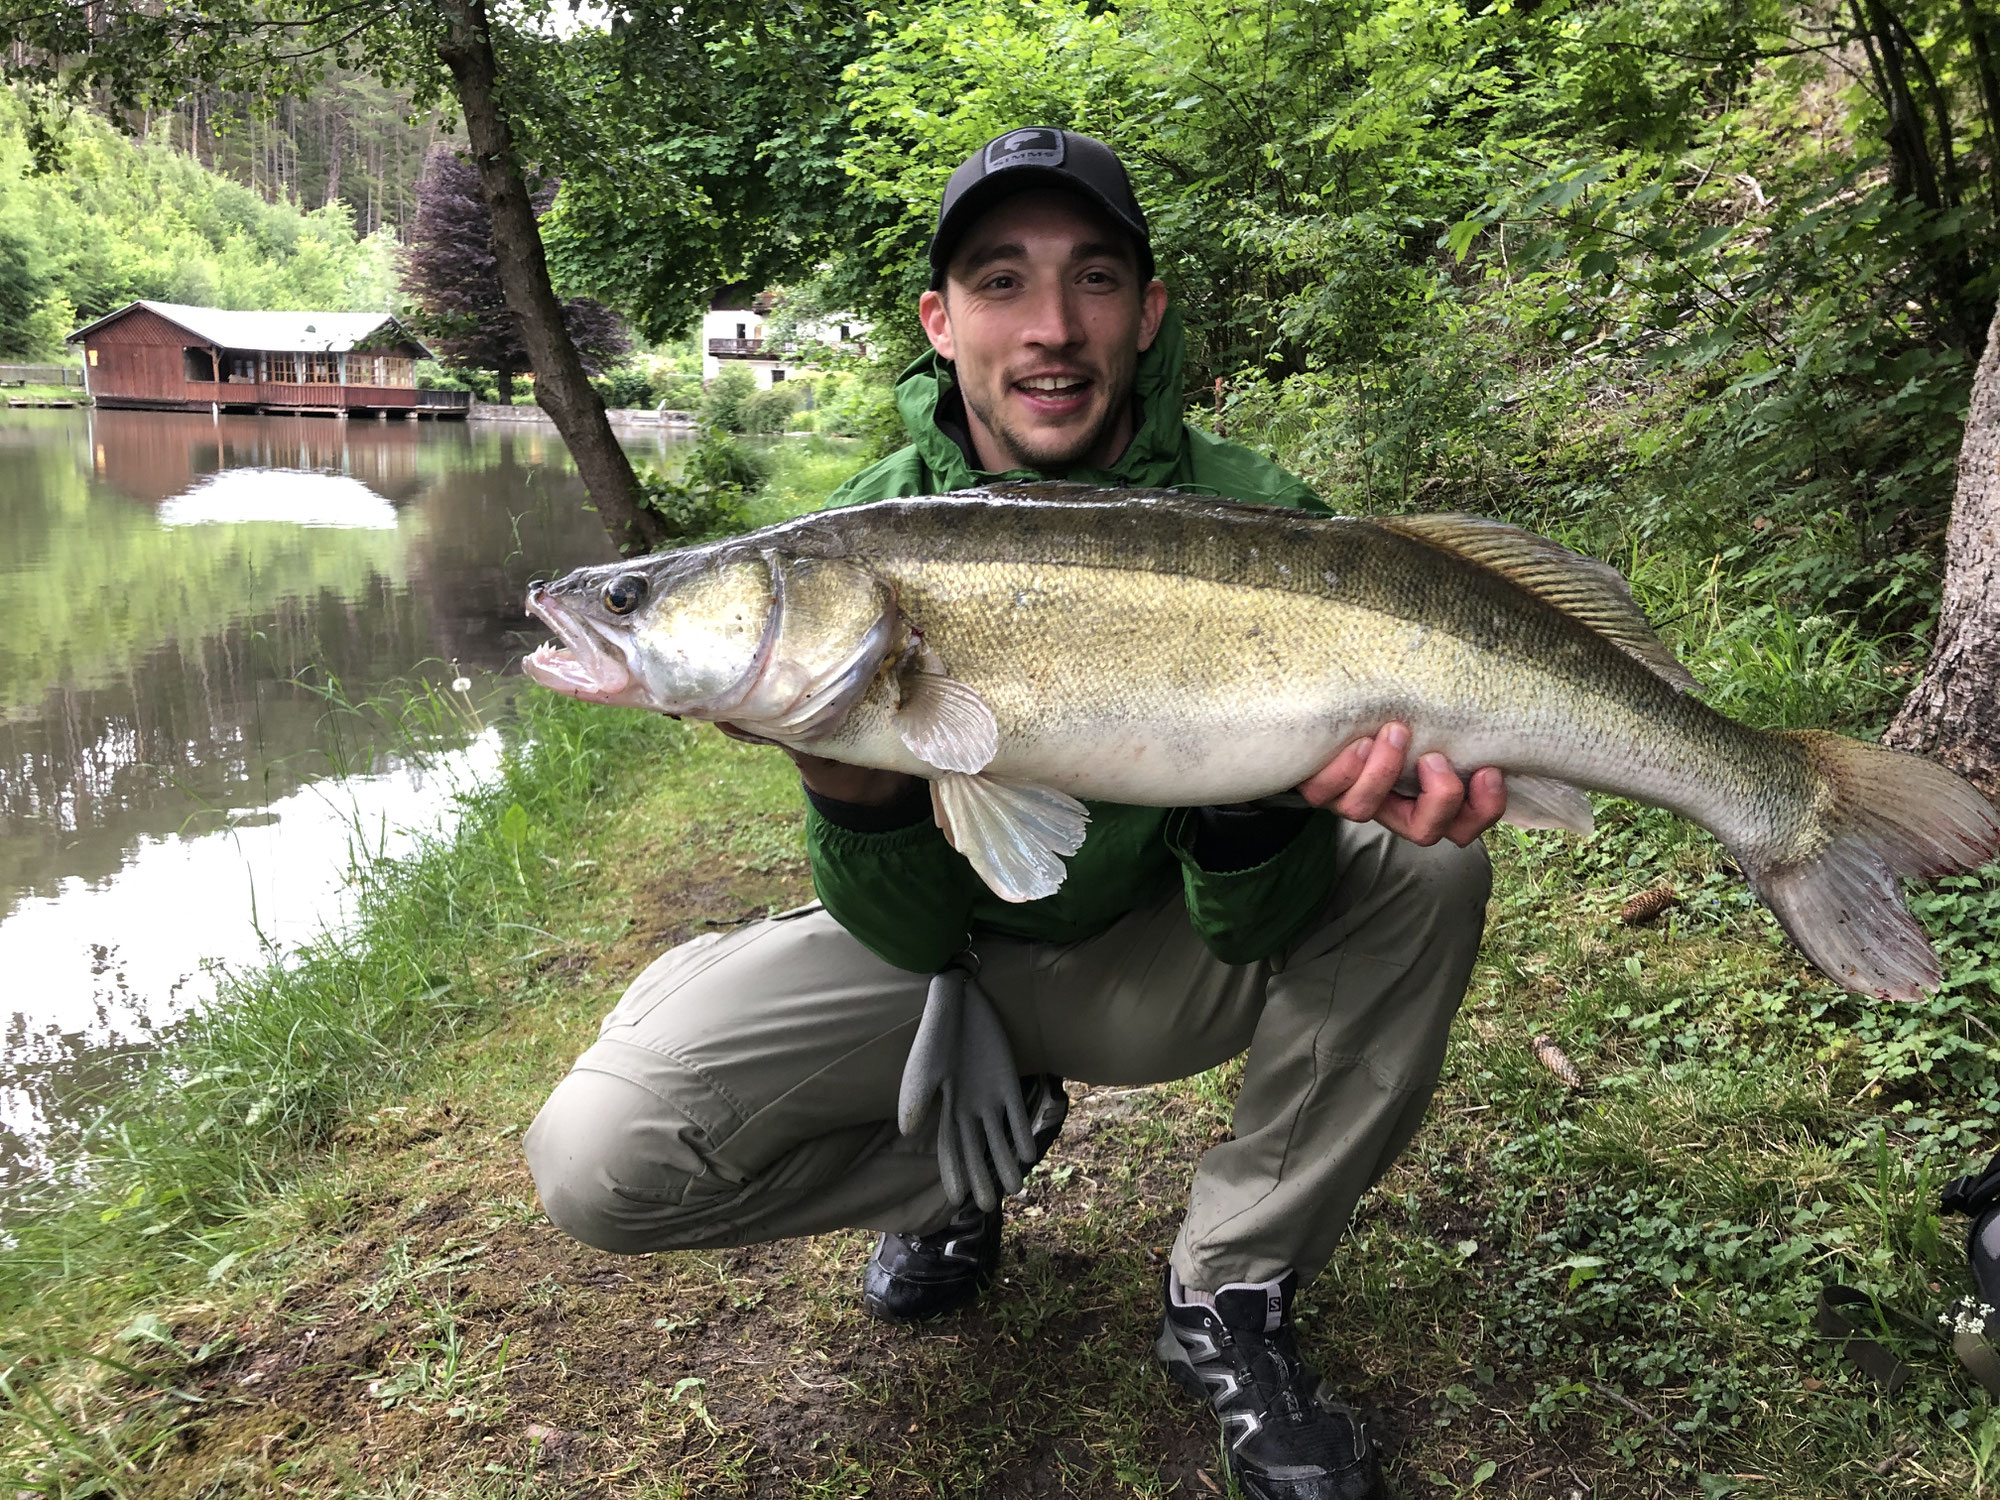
(804,471)
(310,1260)
(44,393)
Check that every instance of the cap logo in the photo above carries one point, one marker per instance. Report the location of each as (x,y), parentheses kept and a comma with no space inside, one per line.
(1025,148)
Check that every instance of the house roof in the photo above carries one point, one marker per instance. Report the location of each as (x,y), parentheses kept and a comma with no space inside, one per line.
(299,332)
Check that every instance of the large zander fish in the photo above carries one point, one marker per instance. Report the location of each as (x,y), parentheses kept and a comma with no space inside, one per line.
(1024,648)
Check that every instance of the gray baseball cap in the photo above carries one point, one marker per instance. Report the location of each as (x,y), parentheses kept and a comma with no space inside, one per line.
(1037,156)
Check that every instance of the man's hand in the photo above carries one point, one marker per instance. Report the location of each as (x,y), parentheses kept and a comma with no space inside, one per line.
(835,780)
(1360,784)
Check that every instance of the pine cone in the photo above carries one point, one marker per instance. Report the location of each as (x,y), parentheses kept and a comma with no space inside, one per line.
(1557,1061)
(1647,905)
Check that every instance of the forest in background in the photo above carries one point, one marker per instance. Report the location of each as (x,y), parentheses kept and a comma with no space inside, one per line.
(126,219)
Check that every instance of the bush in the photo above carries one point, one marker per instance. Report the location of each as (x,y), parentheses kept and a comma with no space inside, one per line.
(860,407)
(717,459)
(678,392)
(722,401)
(625,389)
(768,411)
(707,499)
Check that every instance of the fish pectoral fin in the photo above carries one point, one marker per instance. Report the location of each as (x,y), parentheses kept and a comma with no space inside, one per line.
(1014,834)
(1589,591)
(1544,802)
(945,723)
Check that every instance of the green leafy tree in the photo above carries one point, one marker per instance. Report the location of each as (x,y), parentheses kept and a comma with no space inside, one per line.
(699,147)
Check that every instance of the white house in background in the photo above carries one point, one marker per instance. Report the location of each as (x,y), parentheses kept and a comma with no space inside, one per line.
(732,332)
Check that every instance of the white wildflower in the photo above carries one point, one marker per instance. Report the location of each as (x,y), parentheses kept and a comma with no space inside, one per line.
(1966,1315)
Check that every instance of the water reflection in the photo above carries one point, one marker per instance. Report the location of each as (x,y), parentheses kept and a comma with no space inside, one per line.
(167,583)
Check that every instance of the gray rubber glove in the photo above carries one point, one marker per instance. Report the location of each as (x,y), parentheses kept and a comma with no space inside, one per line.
(961,1053)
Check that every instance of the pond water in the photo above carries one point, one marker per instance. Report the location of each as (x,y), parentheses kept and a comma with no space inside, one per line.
(176,594)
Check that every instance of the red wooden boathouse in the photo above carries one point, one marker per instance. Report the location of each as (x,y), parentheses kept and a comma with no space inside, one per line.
(168,357)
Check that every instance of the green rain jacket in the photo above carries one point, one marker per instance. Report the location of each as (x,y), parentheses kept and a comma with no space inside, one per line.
(911,898)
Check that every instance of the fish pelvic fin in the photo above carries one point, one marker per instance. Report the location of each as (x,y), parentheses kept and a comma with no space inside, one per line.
(1013,834)
(1878,815)
(1544,802)
(945,723)
(1591,592)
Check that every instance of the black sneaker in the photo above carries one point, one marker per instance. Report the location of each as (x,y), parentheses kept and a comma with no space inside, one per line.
(914,1277)
(1290,1437)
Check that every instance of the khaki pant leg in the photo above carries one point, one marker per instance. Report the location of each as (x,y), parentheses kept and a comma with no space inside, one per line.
(744,1090)
(1343,1062)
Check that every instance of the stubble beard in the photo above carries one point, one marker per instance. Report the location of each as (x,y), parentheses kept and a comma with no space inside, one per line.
(1045,451)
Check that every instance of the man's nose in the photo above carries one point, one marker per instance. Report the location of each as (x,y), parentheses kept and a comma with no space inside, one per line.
(1053,320)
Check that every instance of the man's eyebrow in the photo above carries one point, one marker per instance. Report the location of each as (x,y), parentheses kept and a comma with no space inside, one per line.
(1012,250)
(1101,250)
(991,253)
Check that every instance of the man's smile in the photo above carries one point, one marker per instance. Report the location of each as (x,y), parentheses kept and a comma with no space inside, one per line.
(1059,394)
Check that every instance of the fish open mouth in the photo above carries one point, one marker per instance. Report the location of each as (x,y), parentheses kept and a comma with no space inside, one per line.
(583,665)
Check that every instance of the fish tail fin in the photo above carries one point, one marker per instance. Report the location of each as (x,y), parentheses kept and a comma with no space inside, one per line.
(1876,815)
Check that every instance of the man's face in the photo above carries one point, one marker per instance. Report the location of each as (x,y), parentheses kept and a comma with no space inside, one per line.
(1045,318)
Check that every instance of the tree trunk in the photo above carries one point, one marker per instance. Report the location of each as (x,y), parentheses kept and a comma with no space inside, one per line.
(1954,713)
(503,384)
(562,389)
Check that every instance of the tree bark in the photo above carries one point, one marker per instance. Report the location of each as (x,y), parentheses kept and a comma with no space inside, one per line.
(503,384)
(562,389)
(1954,712)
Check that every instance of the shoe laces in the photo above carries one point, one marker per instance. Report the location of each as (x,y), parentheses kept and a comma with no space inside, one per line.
(965,1226)
(1285,1383)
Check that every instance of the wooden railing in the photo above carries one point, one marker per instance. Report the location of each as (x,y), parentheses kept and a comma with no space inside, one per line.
(41,374)
(288,394)
(736,348)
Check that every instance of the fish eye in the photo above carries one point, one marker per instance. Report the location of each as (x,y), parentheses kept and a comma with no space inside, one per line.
(625,593)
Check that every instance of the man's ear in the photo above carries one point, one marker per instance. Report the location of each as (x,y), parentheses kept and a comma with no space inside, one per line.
(1152,308)
(936,318)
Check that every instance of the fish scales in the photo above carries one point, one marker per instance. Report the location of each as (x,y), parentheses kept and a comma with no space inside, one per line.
(1207,615)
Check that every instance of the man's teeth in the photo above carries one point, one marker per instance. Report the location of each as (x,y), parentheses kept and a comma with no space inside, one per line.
(1053,383)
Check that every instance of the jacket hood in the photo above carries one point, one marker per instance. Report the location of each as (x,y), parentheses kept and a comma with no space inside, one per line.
(1159,442)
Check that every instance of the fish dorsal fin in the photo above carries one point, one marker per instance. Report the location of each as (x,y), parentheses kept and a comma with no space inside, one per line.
(1590,592)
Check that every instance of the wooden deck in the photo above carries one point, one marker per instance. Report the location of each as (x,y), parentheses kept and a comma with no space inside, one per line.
(301,400)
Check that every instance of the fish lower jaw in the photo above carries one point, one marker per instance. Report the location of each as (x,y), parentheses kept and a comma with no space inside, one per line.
(561,670)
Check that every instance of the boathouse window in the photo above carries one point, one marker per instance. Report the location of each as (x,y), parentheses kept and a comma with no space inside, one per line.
(322,369)
(197,364)
(243,367)
(93,357)
(284,369)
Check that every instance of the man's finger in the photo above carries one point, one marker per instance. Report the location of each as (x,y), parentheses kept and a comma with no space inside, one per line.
(1485,805)
(1338,774)
(1378,777)
(1423,819)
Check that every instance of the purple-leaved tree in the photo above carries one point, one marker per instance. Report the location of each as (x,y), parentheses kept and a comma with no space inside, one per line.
(451,273)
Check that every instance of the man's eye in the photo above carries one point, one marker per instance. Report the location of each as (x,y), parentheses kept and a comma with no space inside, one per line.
(1000,283)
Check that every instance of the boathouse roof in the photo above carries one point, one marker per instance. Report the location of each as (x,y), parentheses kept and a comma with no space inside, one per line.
(298,332)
